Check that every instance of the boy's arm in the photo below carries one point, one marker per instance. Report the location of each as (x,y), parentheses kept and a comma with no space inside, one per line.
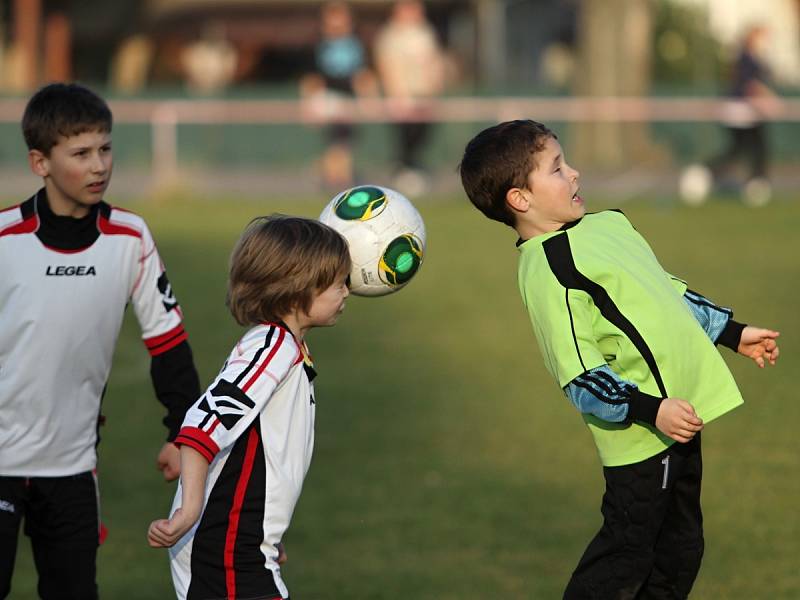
(716,321)
(177,386)
(240,392)
(712,318)
(172,369)
(602,393)
(756,343)
(164,533)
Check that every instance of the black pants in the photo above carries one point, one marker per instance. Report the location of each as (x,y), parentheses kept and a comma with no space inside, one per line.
(746,143)
(651,542)
(62,521)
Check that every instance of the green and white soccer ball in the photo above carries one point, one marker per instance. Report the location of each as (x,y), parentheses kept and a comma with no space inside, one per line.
(386,236)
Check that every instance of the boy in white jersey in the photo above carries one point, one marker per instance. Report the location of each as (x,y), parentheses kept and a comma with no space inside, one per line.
(70,265)
(246,444)
(630,346)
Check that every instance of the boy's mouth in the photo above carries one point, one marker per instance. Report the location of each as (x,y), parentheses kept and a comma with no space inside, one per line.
(96,186)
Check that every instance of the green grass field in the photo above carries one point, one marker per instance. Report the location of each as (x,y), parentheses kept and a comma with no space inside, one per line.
(448,465)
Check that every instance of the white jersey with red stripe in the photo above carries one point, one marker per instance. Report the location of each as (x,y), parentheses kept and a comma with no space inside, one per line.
(255,426)
(60,316)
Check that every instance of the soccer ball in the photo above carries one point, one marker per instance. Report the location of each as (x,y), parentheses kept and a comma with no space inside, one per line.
(385,234)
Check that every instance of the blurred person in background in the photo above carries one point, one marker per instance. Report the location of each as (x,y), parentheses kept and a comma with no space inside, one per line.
(209,63)
(341,74)
(411,69)
(752,100)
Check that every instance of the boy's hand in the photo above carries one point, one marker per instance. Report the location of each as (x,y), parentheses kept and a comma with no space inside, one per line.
(676,418)
(758,344)
(169,461)
(163,533)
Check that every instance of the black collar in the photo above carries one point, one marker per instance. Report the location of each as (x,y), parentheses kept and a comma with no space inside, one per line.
(64,233)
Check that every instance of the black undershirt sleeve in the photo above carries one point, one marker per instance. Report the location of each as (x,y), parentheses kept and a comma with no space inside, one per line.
(176,384)
(643,407)
(731,335)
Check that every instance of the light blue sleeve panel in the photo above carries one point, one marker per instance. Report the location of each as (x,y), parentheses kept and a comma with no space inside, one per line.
(600,392)
(712,318)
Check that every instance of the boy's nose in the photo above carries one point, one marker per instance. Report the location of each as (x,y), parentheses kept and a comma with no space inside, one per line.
(99,165)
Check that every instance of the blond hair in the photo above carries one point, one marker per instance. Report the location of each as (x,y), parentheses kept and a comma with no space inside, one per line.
(279,264)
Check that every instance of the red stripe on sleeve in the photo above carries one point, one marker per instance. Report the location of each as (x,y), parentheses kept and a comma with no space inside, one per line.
(263,366)
(29,225)
(236,509)
(166,341)
(199,440)
(107,227)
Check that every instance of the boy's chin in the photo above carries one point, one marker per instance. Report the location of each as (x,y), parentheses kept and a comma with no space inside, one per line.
(90,200)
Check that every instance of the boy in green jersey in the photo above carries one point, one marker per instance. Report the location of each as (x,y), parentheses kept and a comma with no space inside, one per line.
(631,346)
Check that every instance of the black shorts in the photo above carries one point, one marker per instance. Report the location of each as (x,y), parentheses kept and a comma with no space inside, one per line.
(651,542)
(61,516)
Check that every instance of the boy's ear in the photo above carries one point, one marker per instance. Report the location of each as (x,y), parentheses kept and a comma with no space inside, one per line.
(39,163)
(517,200)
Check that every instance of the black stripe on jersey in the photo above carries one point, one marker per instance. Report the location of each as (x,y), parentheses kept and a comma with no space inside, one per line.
(254,362)
(225,389)
(599,394)
(229,395)
(559,257)
(206,408)
(252,579)
(208,579)
(572,326)
(610,381)
(603,384)
(226,404)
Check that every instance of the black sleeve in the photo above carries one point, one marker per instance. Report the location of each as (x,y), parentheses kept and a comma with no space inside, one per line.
(731,335)
(176,384)
(643,407)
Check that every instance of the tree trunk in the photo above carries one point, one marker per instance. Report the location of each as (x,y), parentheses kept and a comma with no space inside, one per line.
(614,52)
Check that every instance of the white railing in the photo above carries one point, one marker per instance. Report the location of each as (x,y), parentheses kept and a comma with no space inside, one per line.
(164,116)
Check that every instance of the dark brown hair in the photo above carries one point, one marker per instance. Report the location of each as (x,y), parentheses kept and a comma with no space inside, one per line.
(500,158)
(63,110)
(279,264)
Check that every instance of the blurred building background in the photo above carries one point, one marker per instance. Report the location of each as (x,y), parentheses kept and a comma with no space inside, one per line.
(499,45)
(233,50)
